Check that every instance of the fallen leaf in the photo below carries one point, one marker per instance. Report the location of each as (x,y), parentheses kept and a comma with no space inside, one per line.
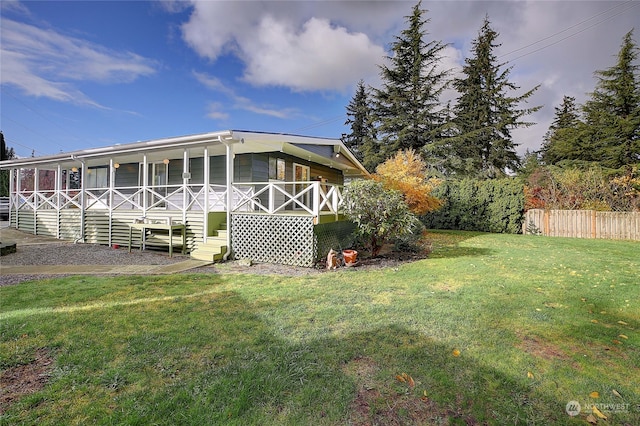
(595,321)
(591,419)
(400,378)
(623,336)
(617,342)
(594,395)
(598,412)
(530,374)
(456,353)
(583,299)
(410,381)
(622,323)
(616,393)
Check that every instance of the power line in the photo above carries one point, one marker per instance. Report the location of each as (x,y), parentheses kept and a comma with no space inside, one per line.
(568,28)
(633,4)
(30,108)
(320,123)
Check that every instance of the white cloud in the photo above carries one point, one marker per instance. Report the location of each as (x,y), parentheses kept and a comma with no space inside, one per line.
(318,57)
(217,111)
(238,102)
(281,45)
(45,63)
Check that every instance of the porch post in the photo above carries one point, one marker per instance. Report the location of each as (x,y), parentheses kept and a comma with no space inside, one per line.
(112,184)
(83,199)
(185,184)
(229,155)
(36,201)
(13,196)
(18,197)
(205,186)
(58,189)
(145,183)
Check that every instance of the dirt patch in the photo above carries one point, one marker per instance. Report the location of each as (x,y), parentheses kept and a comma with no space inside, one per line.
(25,379)
(539,348)
(377,403)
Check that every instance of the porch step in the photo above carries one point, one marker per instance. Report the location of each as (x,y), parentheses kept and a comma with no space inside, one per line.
(215,247)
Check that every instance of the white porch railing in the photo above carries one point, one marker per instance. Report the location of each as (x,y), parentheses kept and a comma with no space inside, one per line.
(313,198)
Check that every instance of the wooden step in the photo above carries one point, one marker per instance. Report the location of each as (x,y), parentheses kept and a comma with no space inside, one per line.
(214,249)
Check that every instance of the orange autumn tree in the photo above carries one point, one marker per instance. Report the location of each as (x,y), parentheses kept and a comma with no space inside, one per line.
(406,172)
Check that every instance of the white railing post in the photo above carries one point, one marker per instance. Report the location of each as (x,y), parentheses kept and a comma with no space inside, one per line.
(316,199)
(185,184)
(206,177)
(145,184)
(335,200)
(272,198)
(58,190)
(83,199)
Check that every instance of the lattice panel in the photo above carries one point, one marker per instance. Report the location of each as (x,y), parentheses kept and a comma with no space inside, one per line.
(287,240)
(333,235)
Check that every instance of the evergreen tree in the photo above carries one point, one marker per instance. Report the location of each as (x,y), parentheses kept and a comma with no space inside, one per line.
(561,142)
(613,112)
(407,107)
(362,141)
(485,113)
(5,154)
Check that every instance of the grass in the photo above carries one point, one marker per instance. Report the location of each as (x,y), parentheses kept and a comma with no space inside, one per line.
(491,329)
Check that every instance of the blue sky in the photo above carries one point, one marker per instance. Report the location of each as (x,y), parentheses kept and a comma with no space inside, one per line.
(82,74)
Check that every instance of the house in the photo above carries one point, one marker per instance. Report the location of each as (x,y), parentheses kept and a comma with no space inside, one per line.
(268,197)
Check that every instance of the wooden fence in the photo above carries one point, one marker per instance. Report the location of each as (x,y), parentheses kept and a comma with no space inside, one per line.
(583,224)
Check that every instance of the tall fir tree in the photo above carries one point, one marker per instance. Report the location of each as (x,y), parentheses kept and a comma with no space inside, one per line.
(407,107)
(613,112)
(485,113)
(561,142)
(362,138)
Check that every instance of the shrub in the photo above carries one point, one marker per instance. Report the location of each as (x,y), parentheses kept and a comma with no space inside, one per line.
(380,214)
(495,205)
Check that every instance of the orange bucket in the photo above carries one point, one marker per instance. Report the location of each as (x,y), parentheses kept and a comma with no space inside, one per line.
(349,256)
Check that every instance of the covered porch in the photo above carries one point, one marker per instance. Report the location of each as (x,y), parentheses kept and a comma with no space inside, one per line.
(200,181)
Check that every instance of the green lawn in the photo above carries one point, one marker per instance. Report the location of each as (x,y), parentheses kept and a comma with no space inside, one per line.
(491,329)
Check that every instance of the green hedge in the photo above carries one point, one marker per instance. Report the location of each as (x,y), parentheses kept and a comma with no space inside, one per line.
(479,205)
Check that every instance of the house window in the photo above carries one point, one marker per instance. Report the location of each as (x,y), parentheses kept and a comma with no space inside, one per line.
(276,168)
(158,179)
(97,177)
(302,174)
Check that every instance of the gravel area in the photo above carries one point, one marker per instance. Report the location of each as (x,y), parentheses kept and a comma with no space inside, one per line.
(65,253)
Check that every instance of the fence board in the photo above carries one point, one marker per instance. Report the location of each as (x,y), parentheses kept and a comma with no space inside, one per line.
(583,224)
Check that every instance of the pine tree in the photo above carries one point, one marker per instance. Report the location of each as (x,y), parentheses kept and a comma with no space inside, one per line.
(613,112)
(362,141)
(407,107)
(485,113)
(561,142)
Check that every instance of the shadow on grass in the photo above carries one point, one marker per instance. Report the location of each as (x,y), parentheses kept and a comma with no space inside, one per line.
(447,244)
(214,360)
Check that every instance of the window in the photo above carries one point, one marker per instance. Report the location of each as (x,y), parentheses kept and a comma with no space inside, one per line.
(276,168)
(97,177)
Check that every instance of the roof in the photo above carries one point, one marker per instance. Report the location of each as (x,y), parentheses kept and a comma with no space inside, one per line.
(330,152)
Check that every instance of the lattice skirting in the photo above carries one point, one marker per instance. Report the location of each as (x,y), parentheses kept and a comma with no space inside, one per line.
(288,240)
(333,235)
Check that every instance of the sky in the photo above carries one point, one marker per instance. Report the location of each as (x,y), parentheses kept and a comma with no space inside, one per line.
(85,74)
